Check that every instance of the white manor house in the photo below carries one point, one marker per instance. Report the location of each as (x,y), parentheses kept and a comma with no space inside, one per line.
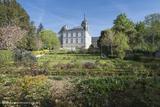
(75,38)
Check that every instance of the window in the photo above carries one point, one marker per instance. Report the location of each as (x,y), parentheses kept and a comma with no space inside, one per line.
(69,34)
(66,41)
(82,33)
(74,40)
(81,40)
(77,40)
(71,40)
(79,34)
(74,34)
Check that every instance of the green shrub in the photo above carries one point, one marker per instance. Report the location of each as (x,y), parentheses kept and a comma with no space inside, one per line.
(6,57)
(118,92)
(26,89)
(24,57)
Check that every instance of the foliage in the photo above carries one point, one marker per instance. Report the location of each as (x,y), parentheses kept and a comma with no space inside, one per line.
(40,87)
(149,19)
(117,92)
(147,37)
(101,82)
(42,52)
(23,57)
(12,13)
(91,49)
(148,34)
(28,42)
(89,65)
(143,36)
(139,40)
(16,30)
(10,36)
(26,89)
(49,39)
(153,36)
(40,28)
(121,43)
(6,57)
(106,41)
(125,25)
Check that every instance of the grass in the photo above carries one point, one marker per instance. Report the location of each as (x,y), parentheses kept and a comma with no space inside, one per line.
(61,64)
(81,79)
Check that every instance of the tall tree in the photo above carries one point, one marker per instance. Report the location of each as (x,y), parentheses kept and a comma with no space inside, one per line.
(149,19)
(121,44)
(12,13)
(125,25)
(139,40)
(40,28)
(29,41)
(49,39)
(106,41)
(153,36)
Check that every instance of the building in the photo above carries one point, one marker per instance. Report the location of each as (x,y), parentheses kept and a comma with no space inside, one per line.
(94,41)
(75,38)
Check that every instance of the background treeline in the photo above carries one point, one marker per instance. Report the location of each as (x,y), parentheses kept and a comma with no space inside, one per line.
(128,37)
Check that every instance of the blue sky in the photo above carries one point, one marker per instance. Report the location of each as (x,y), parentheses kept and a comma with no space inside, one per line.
(53,14)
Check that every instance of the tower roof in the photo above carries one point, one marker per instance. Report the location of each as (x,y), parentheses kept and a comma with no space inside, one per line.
(84,22)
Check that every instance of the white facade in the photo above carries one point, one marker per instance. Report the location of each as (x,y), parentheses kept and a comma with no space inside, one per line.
(75,38)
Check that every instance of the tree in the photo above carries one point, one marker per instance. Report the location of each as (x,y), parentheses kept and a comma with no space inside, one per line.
(148,34)
(10,36)
(106,40)
(121,44)
(49,39)
(13,14)
(91,49)
(40,28)
(153,36)
(29,41)
(149,19)
(125,25)
(139,40)
(14,20)
(38,39)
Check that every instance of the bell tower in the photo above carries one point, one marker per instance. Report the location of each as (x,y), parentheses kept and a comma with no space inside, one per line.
(85,23)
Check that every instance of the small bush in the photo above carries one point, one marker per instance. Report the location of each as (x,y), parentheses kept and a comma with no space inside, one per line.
(24,57)
(89,65)
(6,57)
